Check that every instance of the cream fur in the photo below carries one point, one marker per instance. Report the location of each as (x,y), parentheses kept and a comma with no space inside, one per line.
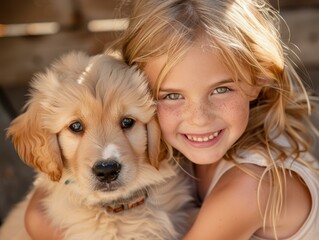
(98,92)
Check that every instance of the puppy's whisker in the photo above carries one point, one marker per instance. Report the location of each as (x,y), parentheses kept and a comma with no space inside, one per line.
(155,192)
(147,190)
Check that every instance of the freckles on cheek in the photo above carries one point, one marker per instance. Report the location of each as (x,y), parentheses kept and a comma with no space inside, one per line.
(168,116)
(166,112)
(237,110)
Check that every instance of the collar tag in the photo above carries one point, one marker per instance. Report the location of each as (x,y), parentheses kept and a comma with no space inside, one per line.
(125,206)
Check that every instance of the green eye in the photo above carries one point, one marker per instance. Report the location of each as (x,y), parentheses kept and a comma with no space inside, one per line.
(221,90)
(76,127)
(173,96)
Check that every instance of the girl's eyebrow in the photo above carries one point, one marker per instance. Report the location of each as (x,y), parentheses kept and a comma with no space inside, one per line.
(222,82)
(168,90)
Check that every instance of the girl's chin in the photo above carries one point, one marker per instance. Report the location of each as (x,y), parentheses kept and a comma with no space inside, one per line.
(203,160)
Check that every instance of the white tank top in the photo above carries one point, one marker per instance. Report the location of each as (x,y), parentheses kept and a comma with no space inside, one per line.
(310,228)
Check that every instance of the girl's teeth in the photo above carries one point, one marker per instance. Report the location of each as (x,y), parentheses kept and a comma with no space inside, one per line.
(203,139)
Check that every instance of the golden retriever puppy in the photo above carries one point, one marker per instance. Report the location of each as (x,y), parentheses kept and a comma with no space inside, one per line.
(89,130)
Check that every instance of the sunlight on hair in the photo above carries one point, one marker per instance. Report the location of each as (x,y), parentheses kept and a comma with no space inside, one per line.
(84,73)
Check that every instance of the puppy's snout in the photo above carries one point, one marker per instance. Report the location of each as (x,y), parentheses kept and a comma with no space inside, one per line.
(107,170)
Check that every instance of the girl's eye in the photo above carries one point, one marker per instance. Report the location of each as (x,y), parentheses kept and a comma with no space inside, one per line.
(127,122)
(172,96)
(221,90)
(76,127)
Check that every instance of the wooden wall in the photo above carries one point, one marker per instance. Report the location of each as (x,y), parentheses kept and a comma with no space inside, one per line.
(22,56)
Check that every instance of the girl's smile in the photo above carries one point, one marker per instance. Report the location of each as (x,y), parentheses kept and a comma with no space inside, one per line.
(201,110)
(203,140)
(203,137)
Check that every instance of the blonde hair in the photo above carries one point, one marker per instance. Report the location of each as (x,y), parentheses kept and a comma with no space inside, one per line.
(246,35)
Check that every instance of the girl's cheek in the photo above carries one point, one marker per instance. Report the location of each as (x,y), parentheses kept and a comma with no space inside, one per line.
(168,111)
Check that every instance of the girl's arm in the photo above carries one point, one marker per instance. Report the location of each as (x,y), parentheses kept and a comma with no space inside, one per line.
(36,223)
(230,211)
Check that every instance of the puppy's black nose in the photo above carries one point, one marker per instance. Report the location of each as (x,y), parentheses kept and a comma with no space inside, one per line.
(107,170)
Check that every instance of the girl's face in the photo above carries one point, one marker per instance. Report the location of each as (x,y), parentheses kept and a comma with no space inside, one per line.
(201,111)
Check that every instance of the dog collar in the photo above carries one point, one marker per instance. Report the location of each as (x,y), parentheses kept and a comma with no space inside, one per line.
(135,200)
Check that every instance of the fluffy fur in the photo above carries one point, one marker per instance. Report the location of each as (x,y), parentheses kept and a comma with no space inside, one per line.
(85,113)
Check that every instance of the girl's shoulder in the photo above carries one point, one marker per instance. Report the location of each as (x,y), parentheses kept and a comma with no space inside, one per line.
(240,189)
(231,204)
(241,183)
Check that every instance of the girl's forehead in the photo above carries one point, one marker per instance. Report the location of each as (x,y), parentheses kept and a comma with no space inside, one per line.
(196,53)
(153,67)
(199,60)
(200,53)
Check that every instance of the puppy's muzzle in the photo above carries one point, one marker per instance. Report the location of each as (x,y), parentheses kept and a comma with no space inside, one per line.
(107,171)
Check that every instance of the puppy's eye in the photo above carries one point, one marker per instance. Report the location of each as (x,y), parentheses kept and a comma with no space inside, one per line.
(76,127)
(127,122)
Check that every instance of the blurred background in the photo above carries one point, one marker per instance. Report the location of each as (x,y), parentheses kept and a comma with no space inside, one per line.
(35,32)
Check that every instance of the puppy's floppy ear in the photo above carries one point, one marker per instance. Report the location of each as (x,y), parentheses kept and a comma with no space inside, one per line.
(35,145)
(154,142)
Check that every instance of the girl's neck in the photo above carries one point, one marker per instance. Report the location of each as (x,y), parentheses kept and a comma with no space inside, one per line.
(204,174)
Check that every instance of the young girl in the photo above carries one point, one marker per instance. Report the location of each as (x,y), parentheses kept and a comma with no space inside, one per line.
(230,101)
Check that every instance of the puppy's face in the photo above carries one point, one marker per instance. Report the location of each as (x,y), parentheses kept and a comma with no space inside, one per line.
(89,123)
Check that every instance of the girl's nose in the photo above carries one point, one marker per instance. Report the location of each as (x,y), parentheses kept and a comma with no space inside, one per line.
(200,113)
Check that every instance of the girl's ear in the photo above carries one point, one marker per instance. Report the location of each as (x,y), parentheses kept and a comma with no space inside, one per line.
(35,145)
(255,90)
(153,142)
(254,93)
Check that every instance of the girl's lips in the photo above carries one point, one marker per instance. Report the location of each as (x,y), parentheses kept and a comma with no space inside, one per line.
(202,138)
